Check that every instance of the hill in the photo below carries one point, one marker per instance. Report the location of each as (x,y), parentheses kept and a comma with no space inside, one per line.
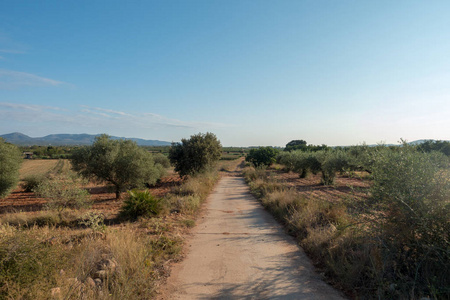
(21,139)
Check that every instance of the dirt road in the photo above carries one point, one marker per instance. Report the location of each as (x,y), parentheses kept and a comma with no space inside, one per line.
(238,251)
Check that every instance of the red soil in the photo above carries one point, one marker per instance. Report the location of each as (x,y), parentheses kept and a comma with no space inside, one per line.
(102,195)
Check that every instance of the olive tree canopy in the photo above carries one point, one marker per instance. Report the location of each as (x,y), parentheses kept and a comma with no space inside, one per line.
(120,162)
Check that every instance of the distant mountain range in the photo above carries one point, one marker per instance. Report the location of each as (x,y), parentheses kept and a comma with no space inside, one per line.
(21,139)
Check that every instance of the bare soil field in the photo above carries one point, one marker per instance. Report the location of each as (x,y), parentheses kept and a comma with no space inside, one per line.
(102,195)
(311,187)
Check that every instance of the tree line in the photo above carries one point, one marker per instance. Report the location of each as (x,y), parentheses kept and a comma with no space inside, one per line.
(122,163)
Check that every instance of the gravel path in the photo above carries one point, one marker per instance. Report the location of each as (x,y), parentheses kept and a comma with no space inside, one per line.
(238,251)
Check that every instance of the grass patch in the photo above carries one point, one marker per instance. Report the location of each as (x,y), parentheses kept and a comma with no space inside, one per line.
(31,167)
(188,223)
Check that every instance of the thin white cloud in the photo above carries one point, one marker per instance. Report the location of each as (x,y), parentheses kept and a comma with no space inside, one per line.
(143,120)
(95,113)
(13,79)
(105,110)
(11,51)
(31,107)
(95,118)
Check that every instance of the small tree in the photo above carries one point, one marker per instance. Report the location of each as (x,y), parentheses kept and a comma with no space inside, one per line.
(10,161)
(196,154)
(262,156)
(119,162)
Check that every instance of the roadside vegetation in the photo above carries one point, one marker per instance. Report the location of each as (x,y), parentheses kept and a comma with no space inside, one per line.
(81,245)
(375,220)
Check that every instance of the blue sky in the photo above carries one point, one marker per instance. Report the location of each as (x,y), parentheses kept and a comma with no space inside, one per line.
(252,72)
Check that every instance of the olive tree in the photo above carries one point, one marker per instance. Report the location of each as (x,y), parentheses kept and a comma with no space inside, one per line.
(195,154)
(120,162)
(10,160)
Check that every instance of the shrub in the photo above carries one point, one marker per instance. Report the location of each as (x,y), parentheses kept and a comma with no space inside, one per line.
(195,155)
(63,192)
(165,247)
(262,156)
(31,182)
(364,157)
(251,174)
(10,161)
(93,220)
(141,203)
(413,189)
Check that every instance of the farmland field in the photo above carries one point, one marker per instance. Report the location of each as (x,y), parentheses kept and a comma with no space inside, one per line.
(37,167)
(102,195)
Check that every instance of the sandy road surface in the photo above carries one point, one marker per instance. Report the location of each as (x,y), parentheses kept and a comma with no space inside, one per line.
(238,251)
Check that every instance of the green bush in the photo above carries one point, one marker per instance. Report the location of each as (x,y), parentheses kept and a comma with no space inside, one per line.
(162,160)
(262,156)
(93,220)
(31,182)
(141,203)
(414,190)
(10,160)
(364,157)
(63,192)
